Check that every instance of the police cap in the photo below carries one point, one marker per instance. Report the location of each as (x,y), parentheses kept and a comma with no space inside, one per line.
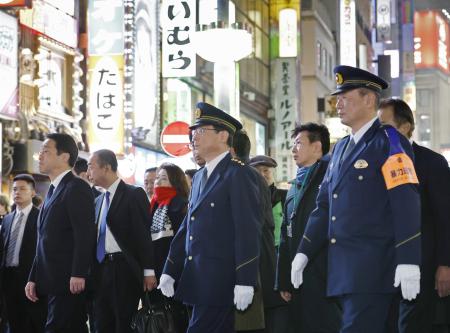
(349,78)
(207,114)
(263,160)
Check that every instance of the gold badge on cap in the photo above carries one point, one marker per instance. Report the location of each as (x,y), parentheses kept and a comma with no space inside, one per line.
(339,78)
(361,164)
(198,113)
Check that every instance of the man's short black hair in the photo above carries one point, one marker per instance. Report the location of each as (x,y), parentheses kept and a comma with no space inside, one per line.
(316,132)
(401,111)
(153,169)
(242,145)
(65,144)
(190,172)
(106,157)
(27,178)
(219,128)
(81,165)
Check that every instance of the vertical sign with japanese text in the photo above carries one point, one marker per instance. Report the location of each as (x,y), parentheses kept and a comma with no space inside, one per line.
(178,25)
(106,74)
(106,103)
(105,22)
(284,104)
(8,65)
(348,32)
(146,69)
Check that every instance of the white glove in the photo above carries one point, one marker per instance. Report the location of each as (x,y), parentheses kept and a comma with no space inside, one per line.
(166,283)
(243,296)
(298,265)
(408,277)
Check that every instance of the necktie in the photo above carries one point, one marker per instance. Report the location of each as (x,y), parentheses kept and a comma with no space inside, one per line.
(13,240)
(50,192)
(351,144)
(102,232)
(204,179)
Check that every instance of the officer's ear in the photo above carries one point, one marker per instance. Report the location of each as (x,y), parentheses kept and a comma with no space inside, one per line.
(317,147)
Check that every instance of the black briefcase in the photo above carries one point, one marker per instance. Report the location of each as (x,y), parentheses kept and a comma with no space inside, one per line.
(154,318)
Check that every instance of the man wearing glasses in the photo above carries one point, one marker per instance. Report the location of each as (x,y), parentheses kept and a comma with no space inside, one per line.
(214,256)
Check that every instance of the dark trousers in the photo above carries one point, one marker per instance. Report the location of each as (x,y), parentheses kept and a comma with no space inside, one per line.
(66,314)
(22,314)
(277,319)
(311,311)
(117,296)
(211,319)
(366,313)
(417,316)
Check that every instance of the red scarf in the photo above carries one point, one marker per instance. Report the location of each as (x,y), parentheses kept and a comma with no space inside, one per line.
(162,196)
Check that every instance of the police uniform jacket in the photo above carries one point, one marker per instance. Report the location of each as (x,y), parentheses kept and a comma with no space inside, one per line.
(370,230)
(217,245)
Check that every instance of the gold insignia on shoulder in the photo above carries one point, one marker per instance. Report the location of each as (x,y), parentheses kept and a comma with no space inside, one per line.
(339,78)
(198,113)
(361,164)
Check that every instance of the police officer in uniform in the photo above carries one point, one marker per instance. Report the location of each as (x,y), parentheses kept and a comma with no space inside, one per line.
(368,211)
(214,255)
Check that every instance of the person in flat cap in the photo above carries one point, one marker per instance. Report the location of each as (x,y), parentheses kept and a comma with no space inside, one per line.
(215,265)
(265,166)
(368,211)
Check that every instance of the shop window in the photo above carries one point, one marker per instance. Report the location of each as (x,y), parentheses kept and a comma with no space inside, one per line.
(319,55)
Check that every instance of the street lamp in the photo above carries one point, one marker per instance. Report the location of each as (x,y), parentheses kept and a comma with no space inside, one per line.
(224,44)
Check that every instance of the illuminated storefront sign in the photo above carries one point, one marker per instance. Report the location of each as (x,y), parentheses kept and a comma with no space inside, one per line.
(285,105)
(146,75)
(8,65)
(105,22)
(106,103)
(431,41)
(51,22)
(348,32)
(50,81)
(288,32)
(178,25)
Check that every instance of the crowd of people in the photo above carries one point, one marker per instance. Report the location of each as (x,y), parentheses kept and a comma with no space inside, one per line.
(359,243)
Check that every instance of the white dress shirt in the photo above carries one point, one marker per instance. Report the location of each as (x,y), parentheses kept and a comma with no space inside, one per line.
(26,211)
(211,165)
(111,245)
(360,133)
(58,179)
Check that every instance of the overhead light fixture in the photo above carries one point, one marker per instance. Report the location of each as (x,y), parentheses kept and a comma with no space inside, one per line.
(220,43)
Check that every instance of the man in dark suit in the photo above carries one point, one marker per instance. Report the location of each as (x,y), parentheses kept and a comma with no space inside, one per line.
(18,247)
(434,185)
(368,211)
(214,255)
(124,253)
(310,309)
(66,238)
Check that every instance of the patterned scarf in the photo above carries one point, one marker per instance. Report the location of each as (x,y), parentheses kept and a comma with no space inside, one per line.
(301,174)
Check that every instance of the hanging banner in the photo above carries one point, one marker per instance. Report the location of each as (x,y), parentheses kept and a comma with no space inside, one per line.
(383,20)
(348,32)
(8,65)
(105,22)
(178,25)
(284,103)
(146,69)
(106,103)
